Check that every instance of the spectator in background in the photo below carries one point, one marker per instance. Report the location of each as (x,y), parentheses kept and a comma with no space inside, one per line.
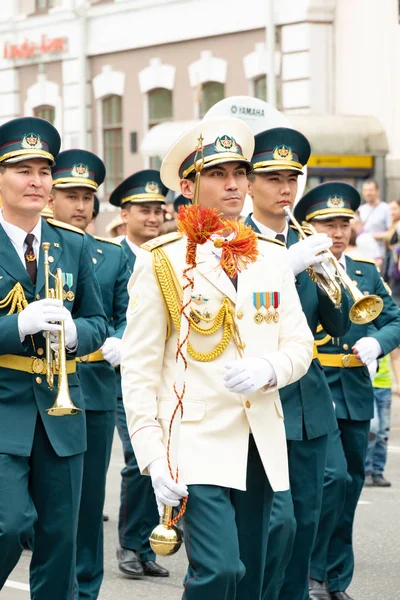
(392,272)
(380,425)
(374,218)
(116,228)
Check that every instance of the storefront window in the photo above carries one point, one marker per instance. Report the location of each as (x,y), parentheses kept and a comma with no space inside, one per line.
(211,93)
(112,140)
(45,112)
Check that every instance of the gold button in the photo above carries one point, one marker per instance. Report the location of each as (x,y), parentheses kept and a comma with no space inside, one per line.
(37,296)
(345,346)
(51,259)
(240,315)
(38,380)
(95,261)
(243,345)
(40,351)
(247,404)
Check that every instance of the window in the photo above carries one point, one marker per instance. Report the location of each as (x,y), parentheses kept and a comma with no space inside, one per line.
(160,110)
(112,141)
(260,89)
(45,112)
(211,93)
(42,6)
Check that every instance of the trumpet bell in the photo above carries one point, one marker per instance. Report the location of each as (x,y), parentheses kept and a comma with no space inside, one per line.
(165,541)
(63,406)
(366,309)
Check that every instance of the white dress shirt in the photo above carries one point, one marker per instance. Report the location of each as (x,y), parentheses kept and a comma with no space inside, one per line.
(17,237)
(264,230)
(135,249)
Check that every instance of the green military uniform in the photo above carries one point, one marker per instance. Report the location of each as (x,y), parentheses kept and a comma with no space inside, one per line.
(307,406)
(138,509)
(79,168)
(352,392)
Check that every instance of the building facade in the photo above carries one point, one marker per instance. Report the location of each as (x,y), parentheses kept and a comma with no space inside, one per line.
(106,72)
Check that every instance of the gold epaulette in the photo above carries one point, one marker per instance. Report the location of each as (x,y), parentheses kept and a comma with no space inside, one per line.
(161,240)
(260,236)
(65,226)
(107,240)
(364,260)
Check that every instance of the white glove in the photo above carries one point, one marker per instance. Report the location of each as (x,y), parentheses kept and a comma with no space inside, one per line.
(367,349)
(111,350)
(41,315)
(324,266)
(247,375)
(71,334)
(166,490)
(305,253)
(373,369)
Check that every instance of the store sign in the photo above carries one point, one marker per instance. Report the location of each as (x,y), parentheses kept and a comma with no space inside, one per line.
(29,48)
(349,161)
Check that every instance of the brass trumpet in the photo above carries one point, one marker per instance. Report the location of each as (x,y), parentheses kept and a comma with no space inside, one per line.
(56,361)
(365,308)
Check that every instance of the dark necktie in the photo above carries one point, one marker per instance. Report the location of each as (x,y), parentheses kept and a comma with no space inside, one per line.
(281,238)
(30,258)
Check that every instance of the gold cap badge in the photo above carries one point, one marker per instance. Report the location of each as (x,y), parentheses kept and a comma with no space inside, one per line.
(283,153)
(31,141)
(152,188)
(225,143)
(80,170)
(335,202)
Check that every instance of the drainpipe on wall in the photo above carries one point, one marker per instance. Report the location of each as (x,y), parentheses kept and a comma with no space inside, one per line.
(270,46)
(80,10)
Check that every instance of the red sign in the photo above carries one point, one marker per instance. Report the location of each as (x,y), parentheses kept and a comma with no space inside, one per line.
(29,48)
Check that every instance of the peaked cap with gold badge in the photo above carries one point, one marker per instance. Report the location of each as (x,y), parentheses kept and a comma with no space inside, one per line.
(328,200)
(143,186)
(225,139)
(28,137)
(280,149)
(78,168)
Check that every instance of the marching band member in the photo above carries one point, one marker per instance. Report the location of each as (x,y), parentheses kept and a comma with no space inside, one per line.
(329,208)
(77,174)
(279,156)
(41,455)
(141,197)
(232,452)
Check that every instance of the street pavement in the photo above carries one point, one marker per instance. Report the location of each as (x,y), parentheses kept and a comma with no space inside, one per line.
(377,547)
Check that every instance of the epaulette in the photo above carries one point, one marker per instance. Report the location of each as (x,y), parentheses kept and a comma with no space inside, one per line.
(65,226)
(107,240)
(161,240)
(260,236)
(364,260)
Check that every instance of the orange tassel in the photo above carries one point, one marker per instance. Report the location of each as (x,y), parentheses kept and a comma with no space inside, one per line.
(197,224)
(238,252)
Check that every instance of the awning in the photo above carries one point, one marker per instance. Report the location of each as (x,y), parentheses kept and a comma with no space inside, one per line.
(342,134)
(328,134)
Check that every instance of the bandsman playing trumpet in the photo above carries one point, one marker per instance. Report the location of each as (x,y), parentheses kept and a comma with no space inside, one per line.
(346,359)
(279,156)
(77,175)
(41,455)
(232,451)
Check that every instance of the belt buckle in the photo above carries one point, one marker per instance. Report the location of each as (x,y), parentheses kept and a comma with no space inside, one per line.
(346,360)
(84,358)
(38,365)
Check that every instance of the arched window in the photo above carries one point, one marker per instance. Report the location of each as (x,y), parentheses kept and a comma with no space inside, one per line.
(211,93)
(45,112)
(112,141)
(160,110)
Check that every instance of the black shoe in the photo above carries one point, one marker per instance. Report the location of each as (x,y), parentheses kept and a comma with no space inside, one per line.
(129,564)
(340,596)
(380,481)
(369,482)
(318,590)
(106,518)
(152,569)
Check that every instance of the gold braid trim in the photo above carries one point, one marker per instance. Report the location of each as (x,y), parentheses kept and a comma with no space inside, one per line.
(172,293)
(16,297)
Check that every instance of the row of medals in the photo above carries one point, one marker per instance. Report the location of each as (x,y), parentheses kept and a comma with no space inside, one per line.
(268,317)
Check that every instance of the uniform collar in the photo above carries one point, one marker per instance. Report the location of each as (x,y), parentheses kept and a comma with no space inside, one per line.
(264,230)
(18,235)
(135,249)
